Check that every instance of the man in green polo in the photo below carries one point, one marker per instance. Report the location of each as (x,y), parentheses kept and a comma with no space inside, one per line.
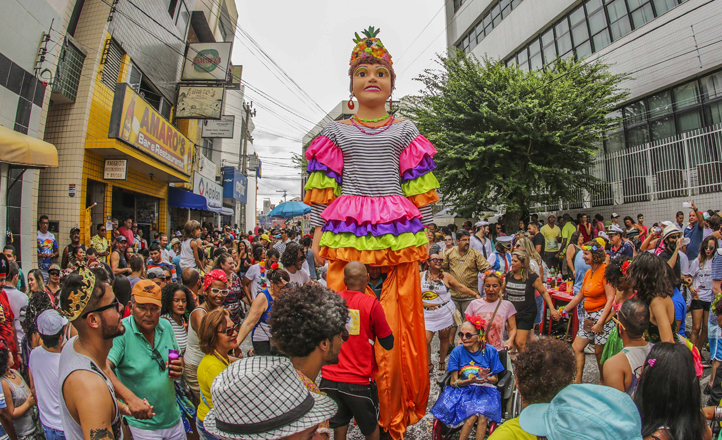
(140,360)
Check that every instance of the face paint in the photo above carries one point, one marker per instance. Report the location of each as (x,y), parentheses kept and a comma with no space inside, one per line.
(361,70)
(383,70)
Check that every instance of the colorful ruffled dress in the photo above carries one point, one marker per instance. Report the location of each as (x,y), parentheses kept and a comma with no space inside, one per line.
(370,192)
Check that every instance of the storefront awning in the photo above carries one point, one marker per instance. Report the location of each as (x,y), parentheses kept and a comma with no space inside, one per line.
(178,198)
(26,151)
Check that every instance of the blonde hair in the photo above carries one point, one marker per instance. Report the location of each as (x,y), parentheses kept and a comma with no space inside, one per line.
(522,256)
(528,247)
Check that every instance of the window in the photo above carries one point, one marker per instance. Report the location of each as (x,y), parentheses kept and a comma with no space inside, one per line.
(172,7)
(479,33)
(686,95)
(184,17)
(662,6)
(660,104)
(714,112)
(618,19)
(535,56)
(637,136)
(689,121)
(564,38)
(457,4)
(635,113)
(113,62)
(642,15)
(662,128)
(550,50)
(712,86)
(505,8)
(522,58)
(496,15)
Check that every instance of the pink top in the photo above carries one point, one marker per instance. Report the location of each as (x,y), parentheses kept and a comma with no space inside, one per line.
(484,309)
(616,306)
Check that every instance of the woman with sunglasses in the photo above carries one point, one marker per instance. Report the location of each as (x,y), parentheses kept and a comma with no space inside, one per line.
(175,300)
(217,338)
(256,322)
(598,295)
(701,270)
(438,307)
(521,283)
(215,285)
(470,398)
(52,288)
(448,245)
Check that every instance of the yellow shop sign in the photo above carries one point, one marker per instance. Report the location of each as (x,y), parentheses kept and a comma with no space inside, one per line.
(135,122)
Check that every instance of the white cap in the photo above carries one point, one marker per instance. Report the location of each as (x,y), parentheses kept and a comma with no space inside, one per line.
(50,322)
(615,215)
(670,230)
(603,235)
(505,239)
(614,229)
(482,223)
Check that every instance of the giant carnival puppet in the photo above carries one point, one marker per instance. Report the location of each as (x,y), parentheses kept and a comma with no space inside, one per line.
(370,188)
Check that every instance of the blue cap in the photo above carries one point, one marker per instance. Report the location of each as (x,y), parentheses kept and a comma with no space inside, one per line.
(584,412)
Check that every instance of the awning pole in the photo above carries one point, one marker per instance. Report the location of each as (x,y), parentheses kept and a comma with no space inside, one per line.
(16,179)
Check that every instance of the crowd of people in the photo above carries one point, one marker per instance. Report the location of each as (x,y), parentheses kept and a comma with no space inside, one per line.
(159,325)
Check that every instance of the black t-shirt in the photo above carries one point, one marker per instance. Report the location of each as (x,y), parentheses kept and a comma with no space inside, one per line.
(538,240)
(666,255)
(521,293)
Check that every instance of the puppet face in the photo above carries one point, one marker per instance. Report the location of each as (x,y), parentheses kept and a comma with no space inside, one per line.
(371,84)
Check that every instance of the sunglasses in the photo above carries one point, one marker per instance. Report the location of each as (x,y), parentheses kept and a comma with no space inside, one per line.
(102,230)
(436,260)
(710,248)
(448,239)
(619,323)
(231,331)
(158,359)
(467,335)
(54,272)
(113,305)
(222,292)
(345,335)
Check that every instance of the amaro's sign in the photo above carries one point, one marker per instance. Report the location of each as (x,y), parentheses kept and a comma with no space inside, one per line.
(209,189)
(135,122)
(207,62)
(115,169)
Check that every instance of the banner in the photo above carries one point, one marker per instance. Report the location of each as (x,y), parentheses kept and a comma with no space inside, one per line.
(209,189)
(207,62)
(199,102)
(207,168)
(235,184)
(136,123)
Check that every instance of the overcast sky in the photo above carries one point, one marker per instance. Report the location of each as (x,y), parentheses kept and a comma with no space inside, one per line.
(312,41)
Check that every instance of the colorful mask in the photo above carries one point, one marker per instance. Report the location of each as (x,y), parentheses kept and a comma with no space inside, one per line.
(370,46)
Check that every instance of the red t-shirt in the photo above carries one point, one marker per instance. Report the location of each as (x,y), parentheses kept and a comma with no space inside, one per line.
(367,322)
(128,234)
(7,331)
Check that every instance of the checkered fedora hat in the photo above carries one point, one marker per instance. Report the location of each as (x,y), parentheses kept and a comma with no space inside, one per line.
(262,398)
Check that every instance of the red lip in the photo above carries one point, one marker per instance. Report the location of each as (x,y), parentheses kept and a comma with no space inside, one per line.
(372,89)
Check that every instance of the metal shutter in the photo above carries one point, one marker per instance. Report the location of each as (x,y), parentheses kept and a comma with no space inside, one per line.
(113,63)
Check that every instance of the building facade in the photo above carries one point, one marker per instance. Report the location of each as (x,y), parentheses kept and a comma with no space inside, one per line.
(667,146)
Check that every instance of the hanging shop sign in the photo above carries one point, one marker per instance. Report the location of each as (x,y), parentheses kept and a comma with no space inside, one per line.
(199,102)
(135,122)
(207,168)
(209,189)
(234,78)
(207,62)
(235,184)
(115,169)
(219,128)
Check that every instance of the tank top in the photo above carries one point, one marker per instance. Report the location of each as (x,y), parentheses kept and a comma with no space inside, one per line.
(24,425)
(264,330)
(71,361)
(434,293)
(186,257)
(193,354)
(635,357)
(521,293)
(122,262)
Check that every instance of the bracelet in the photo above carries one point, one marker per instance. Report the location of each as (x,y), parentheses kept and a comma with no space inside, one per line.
(717,413)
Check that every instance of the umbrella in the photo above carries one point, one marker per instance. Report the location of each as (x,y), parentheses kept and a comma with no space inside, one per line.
(290,209)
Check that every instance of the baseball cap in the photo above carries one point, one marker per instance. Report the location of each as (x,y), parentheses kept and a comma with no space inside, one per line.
(54,267)
(154,272)
(121,238)
(615,215)
(605,413)
(265,237)
(74,229)
(147,292)
(50,322)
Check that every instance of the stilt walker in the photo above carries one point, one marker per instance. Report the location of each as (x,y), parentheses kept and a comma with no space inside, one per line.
(370,187)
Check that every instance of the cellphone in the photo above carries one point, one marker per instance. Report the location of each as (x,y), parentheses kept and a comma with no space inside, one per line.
(686,204)
(658,230)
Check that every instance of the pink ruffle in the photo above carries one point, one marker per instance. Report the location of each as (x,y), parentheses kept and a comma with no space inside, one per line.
(372,210)
(414,153)
(326,152)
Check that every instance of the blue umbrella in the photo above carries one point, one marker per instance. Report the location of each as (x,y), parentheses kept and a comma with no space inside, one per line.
(290,209)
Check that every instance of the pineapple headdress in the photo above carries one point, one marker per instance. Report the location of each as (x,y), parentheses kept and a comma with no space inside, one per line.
(78,299)
(370,46)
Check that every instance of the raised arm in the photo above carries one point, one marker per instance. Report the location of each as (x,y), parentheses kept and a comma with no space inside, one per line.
(260,304)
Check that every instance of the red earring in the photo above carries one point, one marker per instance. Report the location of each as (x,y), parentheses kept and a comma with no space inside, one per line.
(351,105)
(391,104)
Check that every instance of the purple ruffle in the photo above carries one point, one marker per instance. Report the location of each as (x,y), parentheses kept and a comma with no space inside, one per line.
(426,166)
(396,228)
(314,165)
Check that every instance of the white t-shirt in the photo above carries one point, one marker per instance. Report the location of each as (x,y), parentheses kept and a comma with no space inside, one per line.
(702,279)
(19,304)
(254,274)
(301,277)
(44,366)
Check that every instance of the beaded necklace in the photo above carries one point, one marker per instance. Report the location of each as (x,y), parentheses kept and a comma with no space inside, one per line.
(371,120)
(385,127)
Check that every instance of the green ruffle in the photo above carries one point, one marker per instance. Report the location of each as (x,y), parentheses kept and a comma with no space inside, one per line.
(371,243)
(420,185)
(318,179)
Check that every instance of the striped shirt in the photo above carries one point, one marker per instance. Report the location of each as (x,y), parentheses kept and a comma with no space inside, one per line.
(180,331)
(465,268)
(371,165)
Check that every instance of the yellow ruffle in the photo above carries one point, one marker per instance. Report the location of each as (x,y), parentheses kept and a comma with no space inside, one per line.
(373,243)
(420,185)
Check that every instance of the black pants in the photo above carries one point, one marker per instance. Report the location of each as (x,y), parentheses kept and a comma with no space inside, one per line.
(264,348)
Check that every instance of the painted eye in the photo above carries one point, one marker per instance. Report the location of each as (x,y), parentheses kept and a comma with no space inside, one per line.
(361,74)
(381,74)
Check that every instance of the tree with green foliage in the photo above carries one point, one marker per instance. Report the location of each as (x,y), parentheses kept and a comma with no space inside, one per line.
(510,138)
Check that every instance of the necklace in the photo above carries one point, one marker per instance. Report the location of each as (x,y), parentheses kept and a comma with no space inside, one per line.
(10,375)
(371,120)
(385,127)
(369,126)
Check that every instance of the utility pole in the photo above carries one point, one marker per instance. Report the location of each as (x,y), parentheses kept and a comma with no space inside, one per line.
(284,194)
(245,135)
